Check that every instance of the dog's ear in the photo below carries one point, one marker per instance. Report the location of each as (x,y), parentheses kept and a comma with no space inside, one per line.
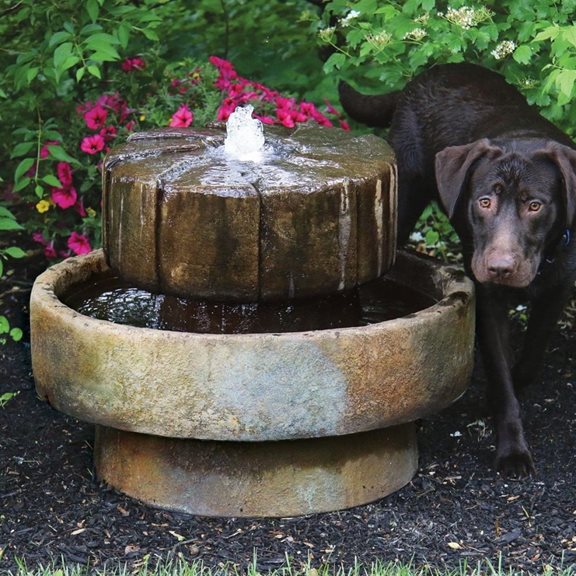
(565,158)
(452,169)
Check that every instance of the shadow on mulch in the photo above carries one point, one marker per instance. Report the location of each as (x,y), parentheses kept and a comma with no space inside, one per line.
(455,509)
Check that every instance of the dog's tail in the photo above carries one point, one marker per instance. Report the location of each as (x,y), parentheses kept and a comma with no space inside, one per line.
(374,111)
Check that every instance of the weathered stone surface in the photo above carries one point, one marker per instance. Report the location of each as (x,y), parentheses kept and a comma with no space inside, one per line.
(316,216)
(253,387)
(286,478)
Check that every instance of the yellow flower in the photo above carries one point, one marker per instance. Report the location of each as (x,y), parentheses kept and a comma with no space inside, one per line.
(91,212)
(142,117)
(43,206)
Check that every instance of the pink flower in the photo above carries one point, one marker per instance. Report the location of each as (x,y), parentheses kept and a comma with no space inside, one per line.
(64,197)
(285,117)
(132,64)
(227,107)
(81,109)
(344,125)
(64,171)
(78,243)
(49,250)
(79,207)
(182,118)
(108,133)
(227,73)
(96,117)
(330,108)
(39,237)
(92,144)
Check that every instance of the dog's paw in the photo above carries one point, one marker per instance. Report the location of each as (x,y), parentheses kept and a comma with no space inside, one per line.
(515,463)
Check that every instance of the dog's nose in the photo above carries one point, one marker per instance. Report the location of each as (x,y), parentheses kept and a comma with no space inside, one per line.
(501,267)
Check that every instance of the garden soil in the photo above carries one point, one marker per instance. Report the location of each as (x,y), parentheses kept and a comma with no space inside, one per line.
(456,509)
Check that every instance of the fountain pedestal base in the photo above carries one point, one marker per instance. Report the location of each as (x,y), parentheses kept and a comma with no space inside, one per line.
(283,478)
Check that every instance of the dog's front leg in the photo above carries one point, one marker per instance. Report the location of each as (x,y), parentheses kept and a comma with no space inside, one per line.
(512,454)
(545,312)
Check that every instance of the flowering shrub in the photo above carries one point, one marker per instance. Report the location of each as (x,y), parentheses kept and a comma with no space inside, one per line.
(533,44)
(271,107)
(64,178)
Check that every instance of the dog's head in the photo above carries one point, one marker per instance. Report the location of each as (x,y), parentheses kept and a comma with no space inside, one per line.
(513,201)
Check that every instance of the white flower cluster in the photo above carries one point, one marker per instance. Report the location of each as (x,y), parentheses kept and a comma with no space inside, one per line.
(380,39)
(417,34)
(503,49)
(466,17)
(327,34)
(352,15)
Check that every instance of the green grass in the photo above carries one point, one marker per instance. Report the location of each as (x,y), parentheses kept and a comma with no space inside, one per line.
(182,568)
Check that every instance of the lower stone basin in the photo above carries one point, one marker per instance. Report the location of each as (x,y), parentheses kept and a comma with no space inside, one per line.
(268,424)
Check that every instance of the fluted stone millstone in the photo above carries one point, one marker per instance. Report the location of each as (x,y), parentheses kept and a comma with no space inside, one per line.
(317,216)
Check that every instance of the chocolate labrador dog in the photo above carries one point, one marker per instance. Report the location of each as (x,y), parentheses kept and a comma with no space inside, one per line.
(506,177)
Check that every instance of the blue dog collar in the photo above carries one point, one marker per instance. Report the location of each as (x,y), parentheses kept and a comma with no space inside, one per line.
(566,237)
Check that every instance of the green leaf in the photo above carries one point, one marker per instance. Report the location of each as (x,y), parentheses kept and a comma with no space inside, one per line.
(39,191)
(5,212)
(80,74)
(22,168)
(123,34)
(565,83)
(61,54)
(569,33)
(58,38)
(94,71)
(22,149)
(150,34)
(31,73)
(51,180)
(100,41)
(432,237)
(110,55)
(522,54)
(334,62)
(90,29)
(4,325)
(58,153)
(547,33)
(69,62)
(52,135)
(15,252)
(16,334)
(7,224)
(93,9)
(21,184)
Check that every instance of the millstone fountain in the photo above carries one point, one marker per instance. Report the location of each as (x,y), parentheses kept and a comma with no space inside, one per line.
(249,342)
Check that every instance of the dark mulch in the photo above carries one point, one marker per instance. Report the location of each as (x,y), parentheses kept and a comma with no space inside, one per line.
(455,509)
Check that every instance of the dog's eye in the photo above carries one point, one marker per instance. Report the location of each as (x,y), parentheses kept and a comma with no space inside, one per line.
(534,206)
(485,202)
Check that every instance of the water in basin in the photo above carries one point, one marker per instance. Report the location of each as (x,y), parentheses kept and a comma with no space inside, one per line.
(110,298)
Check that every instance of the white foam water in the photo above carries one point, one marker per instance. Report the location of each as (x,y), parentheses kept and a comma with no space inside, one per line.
(244,135)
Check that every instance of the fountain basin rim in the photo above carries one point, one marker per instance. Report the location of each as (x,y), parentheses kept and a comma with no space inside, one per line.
(252,387)
(48,290)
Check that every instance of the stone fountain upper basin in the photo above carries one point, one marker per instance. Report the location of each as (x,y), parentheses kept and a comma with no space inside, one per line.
(253,387)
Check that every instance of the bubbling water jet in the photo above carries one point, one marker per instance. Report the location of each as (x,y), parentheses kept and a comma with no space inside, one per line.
(244,136)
